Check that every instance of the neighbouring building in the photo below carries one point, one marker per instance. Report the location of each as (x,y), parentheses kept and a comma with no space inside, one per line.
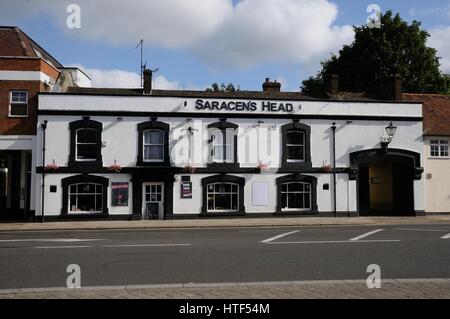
(436,113)
(25,69)
(145,153)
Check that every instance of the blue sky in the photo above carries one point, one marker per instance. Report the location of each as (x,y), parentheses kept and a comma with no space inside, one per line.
(197,42)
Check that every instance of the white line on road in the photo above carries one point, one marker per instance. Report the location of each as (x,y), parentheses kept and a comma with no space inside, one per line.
(279,236)
(48,240)
(145,245)
(430,230)
(334,242)
(367,235)
(63,247)
(446,236)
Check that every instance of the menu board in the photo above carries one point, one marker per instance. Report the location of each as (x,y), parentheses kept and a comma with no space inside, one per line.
(120,195)
(186,190)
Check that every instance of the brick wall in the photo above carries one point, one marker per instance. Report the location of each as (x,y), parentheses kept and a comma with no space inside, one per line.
(19,126)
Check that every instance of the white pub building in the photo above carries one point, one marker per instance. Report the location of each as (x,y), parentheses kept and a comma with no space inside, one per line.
(143,153)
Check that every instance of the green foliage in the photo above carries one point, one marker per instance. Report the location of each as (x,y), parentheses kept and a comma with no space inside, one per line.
(376,55)
(215,87)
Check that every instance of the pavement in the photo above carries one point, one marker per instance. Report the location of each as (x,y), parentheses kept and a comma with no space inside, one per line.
(390,289)
(239,262)
(225,223)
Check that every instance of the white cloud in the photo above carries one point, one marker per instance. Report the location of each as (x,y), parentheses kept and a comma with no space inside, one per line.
(126,79)
(224,34)
(439,39)
(262,31)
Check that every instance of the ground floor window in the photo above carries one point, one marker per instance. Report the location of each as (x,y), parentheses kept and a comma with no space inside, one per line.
(296,196)
(223,197)
(86,198)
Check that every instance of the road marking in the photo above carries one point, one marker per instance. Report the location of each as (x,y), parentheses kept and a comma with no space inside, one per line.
(417,229)
(279,236)
(48,240)
(145,245)
(367,235)
(446,236)
(62,247)
(333,242)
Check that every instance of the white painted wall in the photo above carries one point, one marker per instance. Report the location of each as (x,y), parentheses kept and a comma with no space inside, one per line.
(121,143)
(437,177)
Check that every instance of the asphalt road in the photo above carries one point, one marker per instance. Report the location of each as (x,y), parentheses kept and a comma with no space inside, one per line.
(144,257)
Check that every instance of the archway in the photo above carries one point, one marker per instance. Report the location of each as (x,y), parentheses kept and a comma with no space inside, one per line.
(385,181)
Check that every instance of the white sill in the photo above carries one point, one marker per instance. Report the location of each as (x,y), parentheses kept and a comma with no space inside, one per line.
(18,116)
(84,213)
(439,157)
(86,160)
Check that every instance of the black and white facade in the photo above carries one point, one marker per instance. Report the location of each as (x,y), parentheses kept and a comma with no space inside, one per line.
(188,154)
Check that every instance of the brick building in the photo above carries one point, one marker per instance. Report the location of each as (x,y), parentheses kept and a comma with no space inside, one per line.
(25,70)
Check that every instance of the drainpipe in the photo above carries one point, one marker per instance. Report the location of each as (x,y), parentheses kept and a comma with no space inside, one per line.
(44,128)
(333,128)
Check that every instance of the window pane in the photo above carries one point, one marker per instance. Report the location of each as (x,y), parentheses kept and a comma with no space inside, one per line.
(19,109)
(99,203)
(154,153)
(223,202)
(86,203)
(234,204)
(296,187)
(86,136)
(284,187)
(211,203)
(296,200)
(87,151)
(19,96)
(153,137)
(307,201)
(284,200)
(73,203)
(218,153)
(294,152)
(295,137)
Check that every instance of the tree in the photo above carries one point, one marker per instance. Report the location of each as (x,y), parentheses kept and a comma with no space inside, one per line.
(215,87)
(376,55)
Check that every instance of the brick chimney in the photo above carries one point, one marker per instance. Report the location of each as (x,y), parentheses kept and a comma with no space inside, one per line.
(270,86)
(334,84)
(148,74)
(398,83)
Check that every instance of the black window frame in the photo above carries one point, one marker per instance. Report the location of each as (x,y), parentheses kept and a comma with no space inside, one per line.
(293,179)
(84,179)
(85,123)
(305,164)
(240,181)
(154,124)
(223,126)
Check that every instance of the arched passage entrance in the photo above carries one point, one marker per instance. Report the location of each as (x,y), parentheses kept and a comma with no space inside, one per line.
(385,181)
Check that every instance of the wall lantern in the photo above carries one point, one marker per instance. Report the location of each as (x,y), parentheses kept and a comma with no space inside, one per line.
(385,141)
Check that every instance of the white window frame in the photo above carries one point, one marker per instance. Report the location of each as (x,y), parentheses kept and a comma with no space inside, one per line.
(443,145)
(302,145)
(77,143)
(208,193)
(17,103)
(225,144)
(95,194)
(144,145)
(296,192)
